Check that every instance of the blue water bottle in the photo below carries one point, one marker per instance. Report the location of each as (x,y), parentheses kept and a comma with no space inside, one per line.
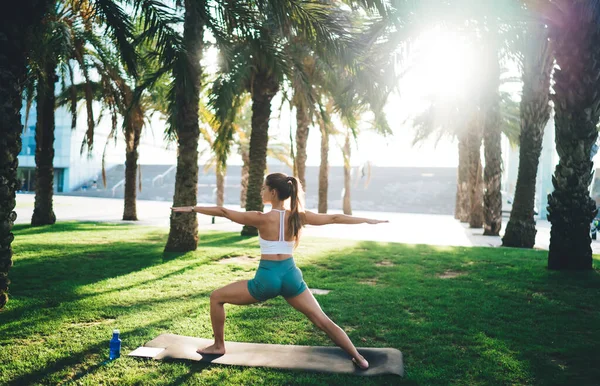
(115,346)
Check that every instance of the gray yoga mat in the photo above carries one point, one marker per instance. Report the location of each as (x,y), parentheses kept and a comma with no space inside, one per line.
(307,358)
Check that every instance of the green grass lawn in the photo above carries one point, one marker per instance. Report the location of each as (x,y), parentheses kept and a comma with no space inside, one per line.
(505,319)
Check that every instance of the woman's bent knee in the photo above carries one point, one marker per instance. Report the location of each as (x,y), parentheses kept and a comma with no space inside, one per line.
(215,297)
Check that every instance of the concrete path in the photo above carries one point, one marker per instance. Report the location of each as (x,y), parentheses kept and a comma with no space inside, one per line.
(403,227)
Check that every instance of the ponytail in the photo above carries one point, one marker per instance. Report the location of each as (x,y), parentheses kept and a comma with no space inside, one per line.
(289,187)
(296,206)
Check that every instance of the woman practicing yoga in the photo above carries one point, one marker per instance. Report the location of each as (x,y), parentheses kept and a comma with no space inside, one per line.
(277,274)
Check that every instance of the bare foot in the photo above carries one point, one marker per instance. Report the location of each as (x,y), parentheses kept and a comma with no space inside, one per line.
(212,350)
(361,362)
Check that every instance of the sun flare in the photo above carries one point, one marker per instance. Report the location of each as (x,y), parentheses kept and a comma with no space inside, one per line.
(441,66)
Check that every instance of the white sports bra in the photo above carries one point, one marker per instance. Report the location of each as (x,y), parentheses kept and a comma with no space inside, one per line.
(269,247)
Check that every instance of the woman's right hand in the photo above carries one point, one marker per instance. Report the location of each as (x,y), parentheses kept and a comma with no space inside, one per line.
(373,221)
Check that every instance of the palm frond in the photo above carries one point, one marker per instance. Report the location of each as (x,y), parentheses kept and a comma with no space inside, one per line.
(29,94)
(120,27)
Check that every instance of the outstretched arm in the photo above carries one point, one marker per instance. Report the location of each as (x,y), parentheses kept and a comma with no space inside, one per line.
(324,219)
(252,218)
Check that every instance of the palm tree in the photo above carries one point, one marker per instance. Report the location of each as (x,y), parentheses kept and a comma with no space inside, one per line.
(492,131)
(535,109)
(346,150)
(574,32)
(118,91)
(461,209)
(259,64)
(474,142)
(326,130)
(209,129)
(352,110)
(304,86)
(18,32)
(460,117)
(43,67)
(66,32)
(276,149)
(183,232)
(303,122)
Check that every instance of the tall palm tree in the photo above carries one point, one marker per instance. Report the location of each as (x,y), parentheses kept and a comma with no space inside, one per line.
(209,129)
(352,110)
(43,72)
(461,209)
(491,20)
(18,32)
(346,150)
(535,110)
(304,87)
(326,128)
(187,73)
(66,33)
(181,57)
(117,90)
(276,149)
(269,65)
(475,177)
(574,29)
(492,131)
(303,122)
(118,93)
(461,117)
(16,29)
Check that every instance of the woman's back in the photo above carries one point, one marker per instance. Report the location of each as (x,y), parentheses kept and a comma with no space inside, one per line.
(271,228)
(275,239)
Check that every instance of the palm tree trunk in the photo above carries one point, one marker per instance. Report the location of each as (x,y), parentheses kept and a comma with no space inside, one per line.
(461,211)
(347,205)
(265,86)
(220,184)
(535,112)
(492,174)
(323,168)
(133,132)
(474,138)
(14,34)
(183,234)
(302,128)
(577,108)
(43,214)
(244,177)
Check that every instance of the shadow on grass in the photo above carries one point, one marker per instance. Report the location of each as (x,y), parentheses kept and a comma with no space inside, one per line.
(505,320)
(99,348)
(223,240)
(46,283)
(67,226)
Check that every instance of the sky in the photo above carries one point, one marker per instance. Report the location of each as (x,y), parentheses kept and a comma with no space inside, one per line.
(441,65)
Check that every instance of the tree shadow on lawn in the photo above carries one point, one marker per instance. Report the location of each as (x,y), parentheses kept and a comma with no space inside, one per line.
(137,336)
(67,226)
(49,282)
(20,325)
(224,240)
(507,319)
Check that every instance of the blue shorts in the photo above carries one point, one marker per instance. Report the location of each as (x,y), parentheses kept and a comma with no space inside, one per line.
(274,278)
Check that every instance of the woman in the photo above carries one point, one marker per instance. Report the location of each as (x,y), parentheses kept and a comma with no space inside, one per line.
(277,274)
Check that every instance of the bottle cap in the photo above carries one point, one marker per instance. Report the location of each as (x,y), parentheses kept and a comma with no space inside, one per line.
(115,331)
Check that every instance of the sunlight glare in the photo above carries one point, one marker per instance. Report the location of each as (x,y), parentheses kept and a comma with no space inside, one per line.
(443,64)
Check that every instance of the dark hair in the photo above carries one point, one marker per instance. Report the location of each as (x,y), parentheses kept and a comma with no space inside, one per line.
(289,187)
